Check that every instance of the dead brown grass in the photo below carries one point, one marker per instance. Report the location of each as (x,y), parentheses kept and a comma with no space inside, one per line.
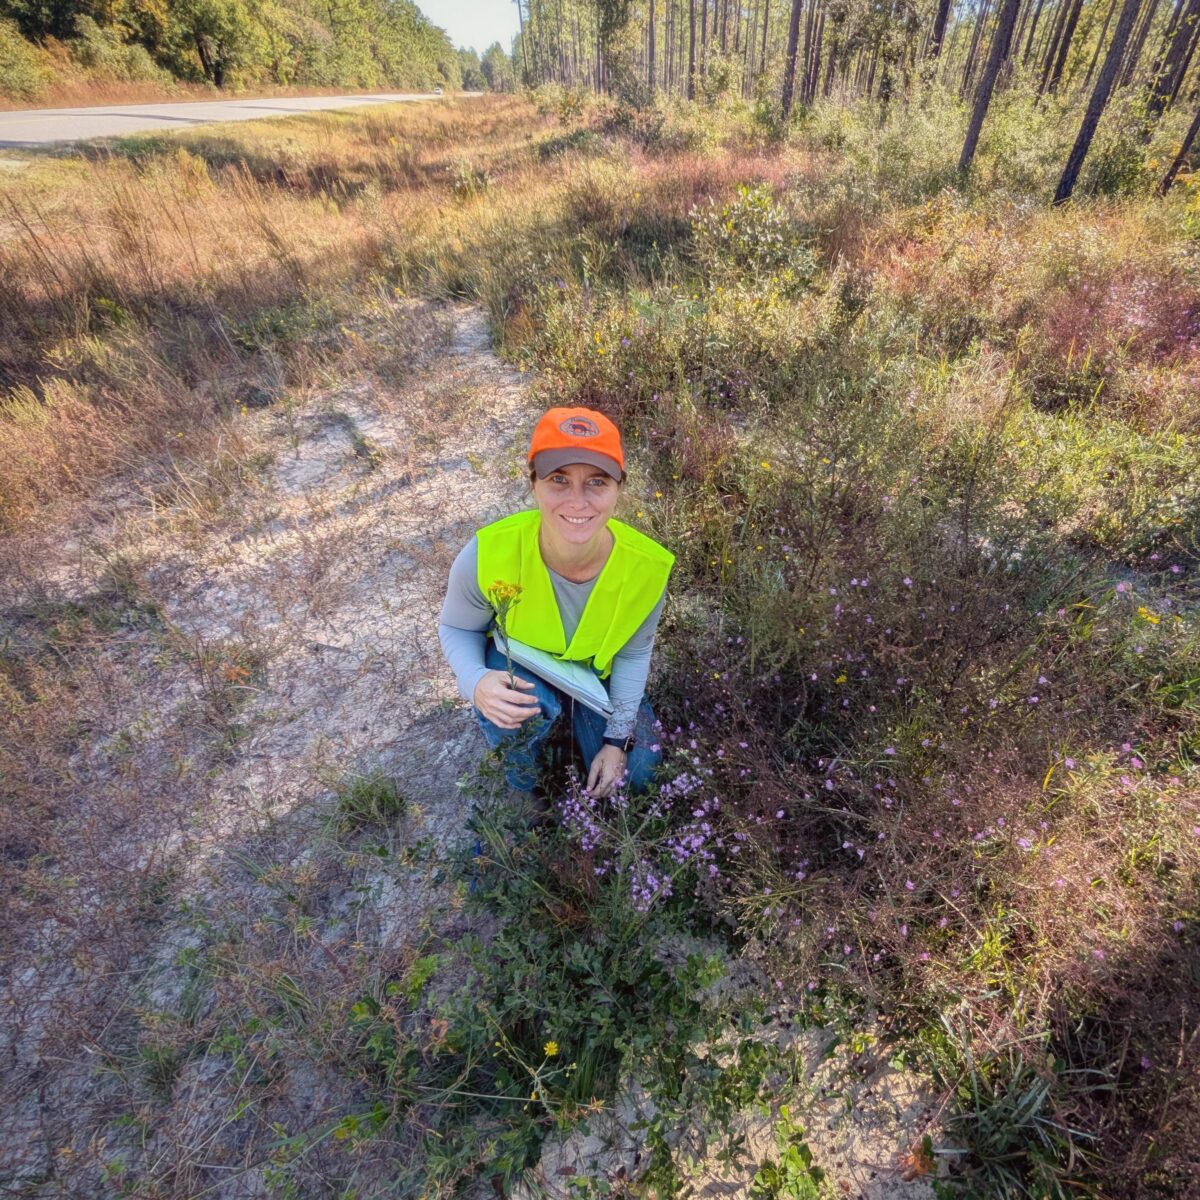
(145,288)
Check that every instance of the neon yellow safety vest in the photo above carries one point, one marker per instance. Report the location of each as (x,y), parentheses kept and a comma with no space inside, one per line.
(625,593)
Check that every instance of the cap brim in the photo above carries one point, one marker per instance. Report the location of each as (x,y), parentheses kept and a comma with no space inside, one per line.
(546,461)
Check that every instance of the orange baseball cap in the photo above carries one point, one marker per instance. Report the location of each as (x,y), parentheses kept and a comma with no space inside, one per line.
(576,435)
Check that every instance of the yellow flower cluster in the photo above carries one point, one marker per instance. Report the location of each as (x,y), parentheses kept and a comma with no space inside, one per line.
(504,595)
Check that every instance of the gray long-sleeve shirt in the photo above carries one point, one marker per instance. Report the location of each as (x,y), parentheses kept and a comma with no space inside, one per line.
(467,616)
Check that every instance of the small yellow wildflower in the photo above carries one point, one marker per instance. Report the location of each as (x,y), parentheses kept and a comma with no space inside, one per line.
(550,1049)
(840,679)
(1147,615)
(502,592)
(658,495)
(766,466)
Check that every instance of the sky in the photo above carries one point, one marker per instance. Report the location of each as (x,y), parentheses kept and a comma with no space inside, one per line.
(474,23)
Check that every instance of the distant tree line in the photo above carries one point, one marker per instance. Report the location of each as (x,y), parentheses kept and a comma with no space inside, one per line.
(791,53)
(332,43)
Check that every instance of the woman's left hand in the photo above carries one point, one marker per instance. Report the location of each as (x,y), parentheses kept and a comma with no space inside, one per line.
(606,771)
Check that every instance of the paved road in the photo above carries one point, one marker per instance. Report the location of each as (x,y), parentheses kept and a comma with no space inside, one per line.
(43,126)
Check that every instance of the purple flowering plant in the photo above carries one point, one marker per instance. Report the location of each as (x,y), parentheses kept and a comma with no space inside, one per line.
(649,843)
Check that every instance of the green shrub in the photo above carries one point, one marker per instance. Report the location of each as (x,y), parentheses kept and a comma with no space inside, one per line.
(751,239)
(101,50)
(22,74)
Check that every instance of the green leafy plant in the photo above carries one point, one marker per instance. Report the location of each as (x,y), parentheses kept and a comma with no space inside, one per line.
(793,1176)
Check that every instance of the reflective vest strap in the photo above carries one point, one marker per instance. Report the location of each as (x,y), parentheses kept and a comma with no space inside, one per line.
(508,551)
(622,597)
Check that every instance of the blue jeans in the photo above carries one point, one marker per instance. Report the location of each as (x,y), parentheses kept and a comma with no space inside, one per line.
(522,747)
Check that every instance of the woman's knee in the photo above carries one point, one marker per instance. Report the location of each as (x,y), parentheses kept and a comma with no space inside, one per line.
(641,768)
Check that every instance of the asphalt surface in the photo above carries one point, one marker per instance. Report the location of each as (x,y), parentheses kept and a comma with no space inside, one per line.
(32,127)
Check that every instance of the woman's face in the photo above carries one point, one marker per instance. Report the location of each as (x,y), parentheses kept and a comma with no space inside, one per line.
(576,501)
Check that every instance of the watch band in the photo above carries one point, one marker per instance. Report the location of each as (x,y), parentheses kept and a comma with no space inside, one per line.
(624,744)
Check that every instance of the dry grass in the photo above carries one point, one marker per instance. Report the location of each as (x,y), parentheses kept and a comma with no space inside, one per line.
(146,288)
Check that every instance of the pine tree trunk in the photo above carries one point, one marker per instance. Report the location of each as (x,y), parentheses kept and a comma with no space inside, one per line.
(1165,42)
(1006,67)
(1037,12)
(1022,21)
(691,79)
(1052,49)
(789,70)
(1135,47)
(809,21)
(562,43)
(1181,74)
(1064,45)
(524,48)
(983,98)
(751,42)
(1100,95)
(972,53)
(650,57)
(814,71)
(1182,157)
(1112,8)
(1167,80)
(939,29)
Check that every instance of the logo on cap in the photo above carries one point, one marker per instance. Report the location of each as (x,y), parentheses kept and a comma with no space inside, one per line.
(581,427)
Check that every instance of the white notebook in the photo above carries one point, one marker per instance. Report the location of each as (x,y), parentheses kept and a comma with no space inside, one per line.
(575,679)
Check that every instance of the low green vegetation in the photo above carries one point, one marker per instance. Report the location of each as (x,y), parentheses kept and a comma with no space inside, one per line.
(369,799)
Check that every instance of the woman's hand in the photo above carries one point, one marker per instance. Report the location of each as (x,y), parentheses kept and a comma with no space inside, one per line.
(501,704)
(606,771)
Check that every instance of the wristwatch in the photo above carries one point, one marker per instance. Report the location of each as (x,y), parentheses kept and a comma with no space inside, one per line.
(625,744)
